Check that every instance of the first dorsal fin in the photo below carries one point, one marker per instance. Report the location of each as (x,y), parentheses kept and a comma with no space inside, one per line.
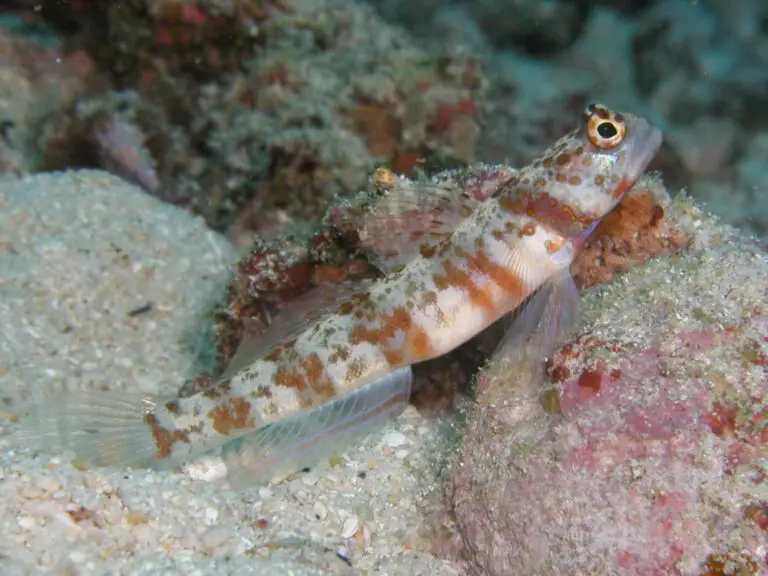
(407,218)
(295,317)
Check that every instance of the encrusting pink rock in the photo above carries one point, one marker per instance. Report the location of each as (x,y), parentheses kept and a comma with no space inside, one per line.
(645,451)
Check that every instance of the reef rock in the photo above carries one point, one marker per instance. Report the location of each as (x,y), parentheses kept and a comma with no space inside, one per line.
(644,449)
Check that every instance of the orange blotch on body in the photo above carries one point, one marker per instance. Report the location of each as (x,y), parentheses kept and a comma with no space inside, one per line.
(234,415)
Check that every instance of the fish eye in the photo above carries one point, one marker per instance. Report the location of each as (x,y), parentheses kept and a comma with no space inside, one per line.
(605,129)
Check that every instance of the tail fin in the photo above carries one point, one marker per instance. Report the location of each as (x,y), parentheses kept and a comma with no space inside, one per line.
(280,449)
(102,428)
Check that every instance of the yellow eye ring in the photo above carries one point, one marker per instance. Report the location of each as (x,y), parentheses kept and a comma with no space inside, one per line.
(605,129)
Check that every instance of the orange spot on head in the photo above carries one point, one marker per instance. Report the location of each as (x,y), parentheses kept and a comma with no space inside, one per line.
(624,185)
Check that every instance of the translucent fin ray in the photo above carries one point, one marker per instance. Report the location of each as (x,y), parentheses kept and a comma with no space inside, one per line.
(102,428)
(278,450)
(546,321)
(410,219)
(292,320)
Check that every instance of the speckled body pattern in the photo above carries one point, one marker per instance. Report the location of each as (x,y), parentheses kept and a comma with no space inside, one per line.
(510,245)
(492,263)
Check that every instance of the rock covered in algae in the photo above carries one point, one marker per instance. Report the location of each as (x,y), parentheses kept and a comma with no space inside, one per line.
(644,449)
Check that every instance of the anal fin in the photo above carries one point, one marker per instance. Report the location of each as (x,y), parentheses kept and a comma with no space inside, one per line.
(285,447)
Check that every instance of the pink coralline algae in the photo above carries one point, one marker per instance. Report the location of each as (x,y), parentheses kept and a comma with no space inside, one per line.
(643,451)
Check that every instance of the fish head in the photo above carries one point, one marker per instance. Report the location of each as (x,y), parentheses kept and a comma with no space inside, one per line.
(585,174)
(617,149)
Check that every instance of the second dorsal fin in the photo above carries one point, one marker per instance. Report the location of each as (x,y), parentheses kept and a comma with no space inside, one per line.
(296,316)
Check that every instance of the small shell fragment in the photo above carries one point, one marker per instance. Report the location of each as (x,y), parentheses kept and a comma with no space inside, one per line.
(363,537)
(393,439)
(350,527)
(215,537)
(320,510)
(48,484)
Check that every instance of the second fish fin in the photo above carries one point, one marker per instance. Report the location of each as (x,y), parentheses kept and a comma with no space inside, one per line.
(278,450)
(292,320)
(102,428)
(543,323)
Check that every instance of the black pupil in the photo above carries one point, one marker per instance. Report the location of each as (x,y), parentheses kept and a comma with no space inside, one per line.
(607,130)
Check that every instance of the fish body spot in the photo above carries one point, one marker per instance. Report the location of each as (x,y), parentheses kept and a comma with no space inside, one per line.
(234,415)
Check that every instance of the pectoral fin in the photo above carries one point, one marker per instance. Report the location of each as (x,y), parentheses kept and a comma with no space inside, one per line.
(543,323)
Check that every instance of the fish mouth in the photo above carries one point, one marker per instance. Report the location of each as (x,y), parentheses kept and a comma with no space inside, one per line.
(647,141)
